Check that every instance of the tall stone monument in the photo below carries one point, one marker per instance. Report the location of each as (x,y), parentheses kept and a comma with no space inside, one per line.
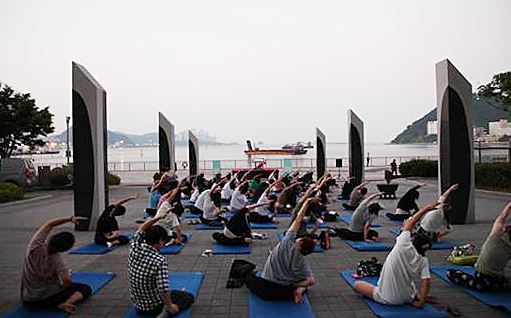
(89,147)
(455,144)
(356,147)
(167,144)
(193,153)
(320,153)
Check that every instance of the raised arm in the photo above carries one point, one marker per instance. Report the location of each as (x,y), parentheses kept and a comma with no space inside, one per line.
(499,223)
(147,224)
(49,225)
(371,198)
(257,205)
(127,199)
(409,224)
(360,186)
(299,218)
(452,188)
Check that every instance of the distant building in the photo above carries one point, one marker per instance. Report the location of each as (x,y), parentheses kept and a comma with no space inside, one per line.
(432,127)
(479,131)
(500,128)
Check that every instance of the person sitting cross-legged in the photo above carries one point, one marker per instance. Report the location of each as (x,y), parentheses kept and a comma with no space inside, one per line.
(407,204)
(211,206)
(286,274)
(357,195)
(107,229)
(45,280)
(405,264)
(237,230)
(361,220)
(491,265)
(169,220)
(148,273)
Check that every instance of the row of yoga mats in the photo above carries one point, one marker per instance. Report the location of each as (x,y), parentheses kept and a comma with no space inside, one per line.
(259,308)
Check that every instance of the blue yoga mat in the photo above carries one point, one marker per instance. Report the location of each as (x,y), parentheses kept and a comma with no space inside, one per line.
(220,249)
(389,311)
(189,215)
(205,227)
(317,248)
(191,282)
(368,246)
(499,300)
(92,248)
(263,226)
(442,245)
(95,280)
(347,219)
(175,248)
(394,221)
(282,215)
(259,308)
(321,226)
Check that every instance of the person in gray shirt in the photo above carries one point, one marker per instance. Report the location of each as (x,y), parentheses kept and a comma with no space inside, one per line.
(286,274)
(490,268)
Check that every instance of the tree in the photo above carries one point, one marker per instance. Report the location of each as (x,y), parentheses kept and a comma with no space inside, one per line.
(499,89)
(21,121)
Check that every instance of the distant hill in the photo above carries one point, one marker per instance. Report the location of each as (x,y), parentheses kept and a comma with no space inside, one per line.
(483,111)
(116,138)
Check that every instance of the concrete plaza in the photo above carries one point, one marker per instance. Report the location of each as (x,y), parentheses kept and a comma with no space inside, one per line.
(331,297)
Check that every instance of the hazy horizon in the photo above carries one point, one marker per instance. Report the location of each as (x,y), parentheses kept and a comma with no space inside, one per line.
(269,70)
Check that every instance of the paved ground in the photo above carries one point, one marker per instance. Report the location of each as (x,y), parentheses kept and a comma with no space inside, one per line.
(331,297)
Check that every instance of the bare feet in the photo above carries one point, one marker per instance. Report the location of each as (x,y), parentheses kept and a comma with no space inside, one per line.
(299,294)
(68,308)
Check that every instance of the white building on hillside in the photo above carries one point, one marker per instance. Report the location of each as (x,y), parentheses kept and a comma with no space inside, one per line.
(432,127)
(500,128)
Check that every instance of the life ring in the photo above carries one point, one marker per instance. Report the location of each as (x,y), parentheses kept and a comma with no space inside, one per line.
(184,164)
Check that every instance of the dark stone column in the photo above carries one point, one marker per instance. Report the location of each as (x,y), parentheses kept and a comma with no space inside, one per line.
(356,147)
(320,153)
(167,144)
(89,147)
(455,141)
(193,153)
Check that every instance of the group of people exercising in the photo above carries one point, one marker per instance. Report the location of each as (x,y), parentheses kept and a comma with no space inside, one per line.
(254,197)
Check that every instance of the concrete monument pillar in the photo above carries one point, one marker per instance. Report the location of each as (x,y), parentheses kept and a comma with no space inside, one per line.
(193,153)
(167,144)
(89,147)
(455,144)
(356,147)
(320,153)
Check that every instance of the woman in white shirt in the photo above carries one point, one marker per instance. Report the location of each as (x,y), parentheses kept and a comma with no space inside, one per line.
(436,223)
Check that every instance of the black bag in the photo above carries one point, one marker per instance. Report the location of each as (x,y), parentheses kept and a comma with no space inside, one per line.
(181,298)
(330,216)
(370,267)
(240,269)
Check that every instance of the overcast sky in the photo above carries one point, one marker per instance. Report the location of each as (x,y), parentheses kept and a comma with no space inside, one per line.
(265,70)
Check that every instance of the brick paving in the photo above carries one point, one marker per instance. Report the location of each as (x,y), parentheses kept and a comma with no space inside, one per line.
(331,297)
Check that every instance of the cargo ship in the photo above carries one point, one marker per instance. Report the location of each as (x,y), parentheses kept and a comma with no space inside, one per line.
(293,151)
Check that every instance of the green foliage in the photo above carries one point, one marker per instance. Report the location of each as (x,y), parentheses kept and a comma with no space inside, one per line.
(419,168)
(21,121)
(494,176)
(60,176)
(112,179)
(499,89)
(10,192)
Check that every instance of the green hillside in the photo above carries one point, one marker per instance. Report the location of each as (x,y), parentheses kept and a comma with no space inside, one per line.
(483,111)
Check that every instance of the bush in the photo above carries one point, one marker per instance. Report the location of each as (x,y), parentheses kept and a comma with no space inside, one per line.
(10,192)
(112,179)
(494,176)
(59,177)
(419,168)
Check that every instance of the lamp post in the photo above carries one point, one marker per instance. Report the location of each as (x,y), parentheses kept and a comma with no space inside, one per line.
(68,152)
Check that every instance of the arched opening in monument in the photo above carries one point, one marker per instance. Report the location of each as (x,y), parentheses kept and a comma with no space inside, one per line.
(164,151)
(455,163)
(192,157)
(83,162)
(320,157)
(357,159)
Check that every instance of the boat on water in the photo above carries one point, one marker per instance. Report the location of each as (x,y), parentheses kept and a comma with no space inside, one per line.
(295,150)
(298,145)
